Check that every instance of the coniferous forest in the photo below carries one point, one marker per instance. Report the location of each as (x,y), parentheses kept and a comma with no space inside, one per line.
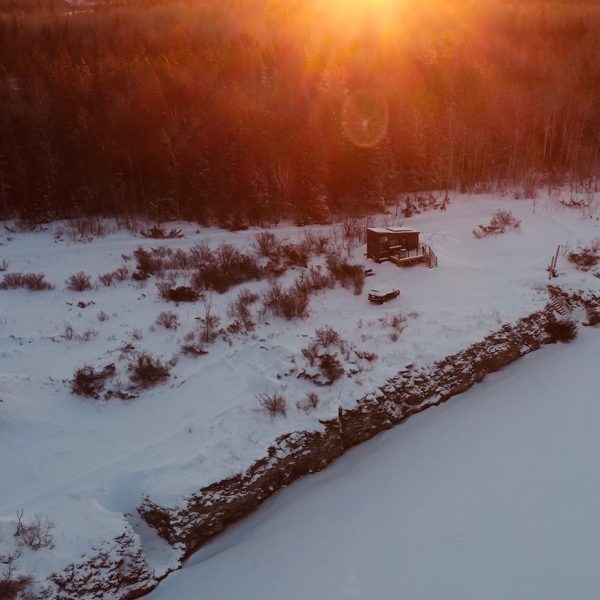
(249,111)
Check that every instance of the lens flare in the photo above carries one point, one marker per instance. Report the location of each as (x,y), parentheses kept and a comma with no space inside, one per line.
(365,117)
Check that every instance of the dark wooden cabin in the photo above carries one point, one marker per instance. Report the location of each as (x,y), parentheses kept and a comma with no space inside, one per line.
(383,242)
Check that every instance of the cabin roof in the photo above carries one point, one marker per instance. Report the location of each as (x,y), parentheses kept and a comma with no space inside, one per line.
(384,230)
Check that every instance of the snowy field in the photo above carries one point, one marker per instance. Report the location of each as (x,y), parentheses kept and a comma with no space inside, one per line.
(492,495)
(86,464)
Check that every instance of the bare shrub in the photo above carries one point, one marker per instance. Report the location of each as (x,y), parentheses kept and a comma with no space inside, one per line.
(146,370)
(106,279)
(349,275)
(289,304)
(315,280)
(90,383)
(311,353)
(181,293)
(168,320)
(309,402)
(267,245)
(327,336)
(147,262)
(68,332)
(158,232)
(209,322)
(121,274)
(12,586)
(85,229)
(562,330)
(239,309)
(35,535)
(275,404)
(501,221)
(79,282)
(226,268)
(318,244)
(296,255)
(585,257)
(330,367)
(102,316)
(136,334)
(34,282)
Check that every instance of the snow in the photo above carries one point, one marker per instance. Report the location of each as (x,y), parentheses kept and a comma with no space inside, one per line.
(87,464)
(491,495)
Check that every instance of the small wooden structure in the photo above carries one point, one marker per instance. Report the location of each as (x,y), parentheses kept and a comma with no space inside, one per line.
(399,245)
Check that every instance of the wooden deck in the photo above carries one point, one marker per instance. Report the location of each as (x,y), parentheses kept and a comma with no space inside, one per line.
(424,255)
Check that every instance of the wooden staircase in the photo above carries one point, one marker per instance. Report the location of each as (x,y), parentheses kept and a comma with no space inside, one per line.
(560,305)
(432,259)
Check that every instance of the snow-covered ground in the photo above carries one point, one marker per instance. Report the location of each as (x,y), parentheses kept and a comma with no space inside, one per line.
(492,495)
(86,464)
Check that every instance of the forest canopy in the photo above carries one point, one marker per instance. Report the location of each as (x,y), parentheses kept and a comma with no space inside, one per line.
(250,111)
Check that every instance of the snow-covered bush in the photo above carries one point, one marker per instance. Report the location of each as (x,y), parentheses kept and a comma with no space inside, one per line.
(79,282)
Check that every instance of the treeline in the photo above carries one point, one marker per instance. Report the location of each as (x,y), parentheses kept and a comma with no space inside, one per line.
(248,111)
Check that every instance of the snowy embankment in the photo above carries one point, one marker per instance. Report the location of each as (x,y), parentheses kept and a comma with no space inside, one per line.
(86,464)
(492,495)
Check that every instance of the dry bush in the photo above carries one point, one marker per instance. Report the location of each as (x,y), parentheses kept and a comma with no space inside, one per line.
(311,353)
(310,402)
(349,275)
(102,316)
(35,535)
(79,282)
(289,304)
(501,221)
(296,255)
(226,268)
(121,274)
(146,370)
(327,336)
(181,293)
(267,245)
(561,330)
(239,309)
(147,263)
(34,282)
(106,279)
(13,586)
(90,383)
(315,280)
(158,232)
(330,367)
(275,404)
(85,229)
(168,320)
(586,257)
(318,244)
